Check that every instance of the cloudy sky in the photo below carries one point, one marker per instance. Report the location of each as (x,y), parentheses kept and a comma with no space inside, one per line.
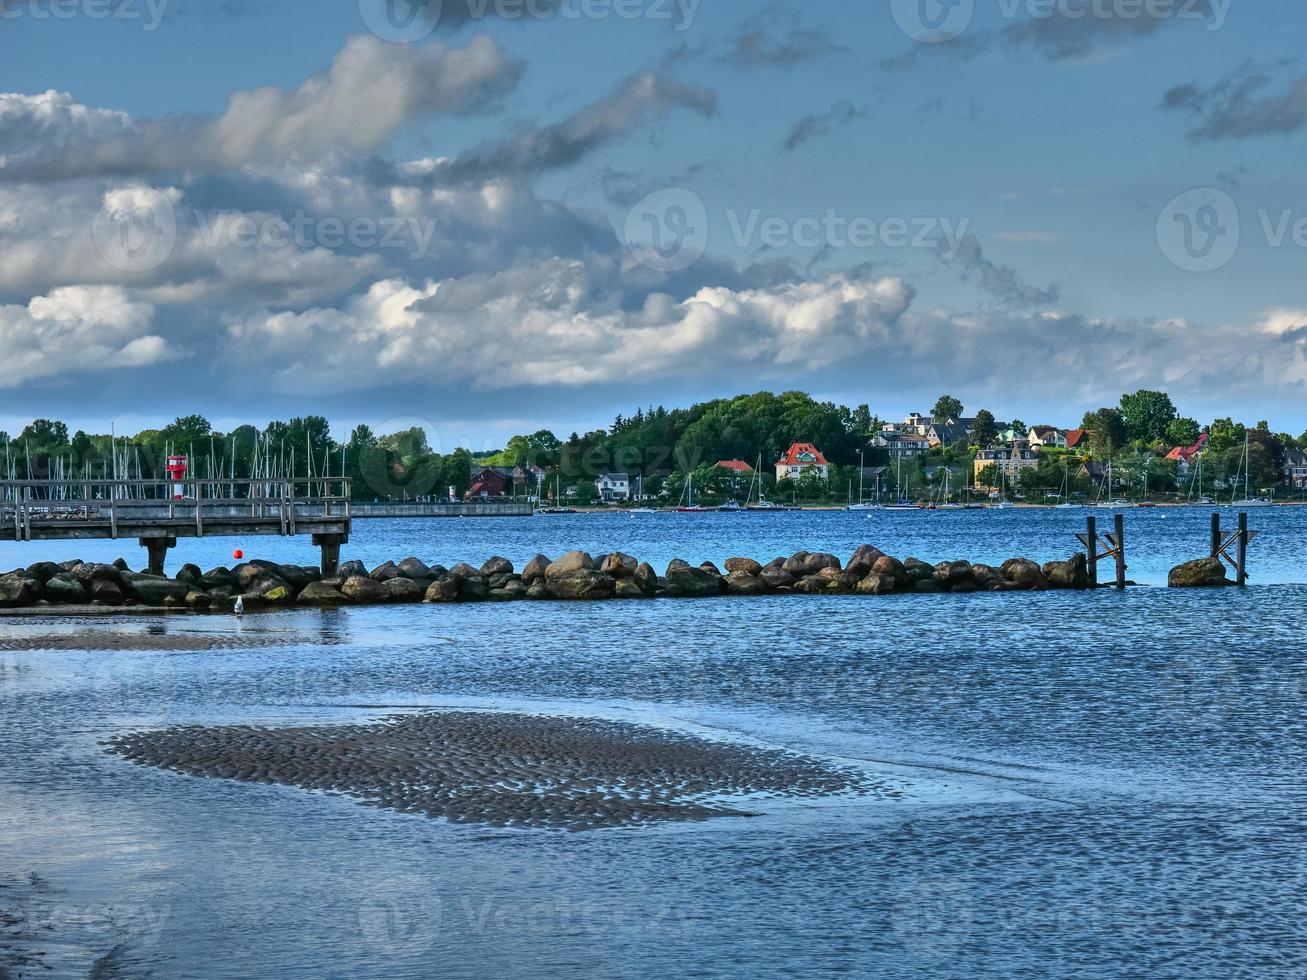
(489,216)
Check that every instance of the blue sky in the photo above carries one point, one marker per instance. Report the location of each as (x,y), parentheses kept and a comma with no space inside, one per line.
(1044,164)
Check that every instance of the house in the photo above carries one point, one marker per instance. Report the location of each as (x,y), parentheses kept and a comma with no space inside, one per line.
(915,424)
(1094,472)
(1010,462)
(1077,439)
(1048,436)
(902,445)
(949,433)
(737,466)
(1295,469)
(614,486)
(1185,455)
(488,482)
(801,457)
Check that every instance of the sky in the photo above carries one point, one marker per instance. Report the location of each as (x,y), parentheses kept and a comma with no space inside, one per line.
(494,216)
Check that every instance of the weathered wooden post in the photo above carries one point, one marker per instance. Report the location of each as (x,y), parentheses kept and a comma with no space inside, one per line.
(1216,535)
(1119,543)
(1093,551)
(1243,551)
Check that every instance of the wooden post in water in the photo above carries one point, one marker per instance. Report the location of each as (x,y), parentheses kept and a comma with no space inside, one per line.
(1120,551)
(1216,535)
(1243,551)
(1093,552)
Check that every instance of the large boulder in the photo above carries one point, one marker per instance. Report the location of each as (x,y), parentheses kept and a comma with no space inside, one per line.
(473,588)
(198,600)
(886,565)
(297,576)
(348,569)
(629,588)
(43,571)
(363,590)
(686,582)
(216,578)
(1205,573)
(646,578)
(775,577)
(154,590)
(746,565)
(866,555)
(819,560)
(444,589)
(743,583)
(814,584)
(190,574)
(497,566)
(951,574)
(569,564)
(875,584)
(917,570)
(400,589)
(1025,574)
(384,572)
(17,590)
(618,565)
(87,571)
(535,569)
(106,591)
(465,571)
(414,569)
(583,583)
(64,588)
(1070,574)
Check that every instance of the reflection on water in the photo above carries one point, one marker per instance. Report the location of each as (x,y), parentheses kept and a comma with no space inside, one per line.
(1093,786)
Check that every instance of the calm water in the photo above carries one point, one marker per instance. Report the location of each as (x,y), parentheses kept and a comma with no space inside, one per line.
(1095,785)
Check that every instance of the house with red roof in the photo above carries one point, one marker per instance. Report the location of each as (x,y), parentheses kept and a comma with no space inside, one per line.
(1077,439)
(735,466)
(800,458)
(1184,455)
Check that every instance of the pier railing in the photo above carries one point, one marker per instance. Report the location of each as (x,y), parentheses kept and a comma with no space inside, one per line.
(110,505)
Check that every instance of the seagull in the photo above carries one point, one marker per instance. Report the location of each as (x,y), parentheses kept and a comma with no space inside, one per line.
(239,608)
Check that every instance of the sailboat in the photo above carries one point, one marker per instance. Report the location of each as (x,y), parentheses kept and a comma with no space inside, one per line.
(1066,489)
(947,503)
(902,503)
(1248,499)
(639,495)
(556,509)
(862,497)
(689,507)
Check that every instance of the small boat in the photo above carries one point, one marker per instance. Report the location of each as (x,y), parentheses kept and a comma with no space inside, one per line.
(643,510)
(557,510)
(690,507)
(730,507)
(1003,505)
(902,505)
(1246,464)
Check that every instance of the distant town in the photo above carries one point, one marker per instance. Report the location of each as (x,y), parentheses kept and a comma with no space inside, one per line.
(759,451)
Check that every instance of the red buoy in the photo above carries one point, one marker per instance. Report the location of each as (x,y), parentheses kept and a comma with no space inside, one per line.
(238,554)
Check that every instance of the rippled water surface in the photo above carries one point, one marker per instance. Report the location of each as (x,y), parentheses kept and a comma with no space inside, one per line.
(1092,785)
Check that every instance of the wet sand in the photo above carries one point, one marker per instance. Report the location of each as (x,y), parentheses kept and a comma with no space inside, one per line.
(505,770)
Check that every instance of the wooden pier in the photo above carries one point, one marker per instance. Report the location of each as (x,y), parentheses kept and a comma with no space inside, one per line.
(158,512)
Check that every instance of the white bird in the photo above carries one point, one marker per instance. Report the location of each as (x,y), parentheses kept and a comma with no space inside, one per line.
(239,608)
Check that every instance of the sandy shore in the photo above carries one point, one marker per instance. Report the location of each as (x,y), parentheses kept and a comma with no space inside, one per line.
(507,770)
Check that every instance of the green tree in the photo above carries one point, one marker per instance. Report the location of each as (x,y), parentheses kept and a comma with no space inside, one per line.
(1226,434)
(1107,431)
(1183,432)
(1147,415)
(947,409)
(985,430)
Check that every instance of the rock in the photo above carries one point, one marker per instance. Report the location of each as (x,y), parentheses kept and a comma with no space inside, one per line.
(363,590)
(745,583)
(573,561)
(1205,573)
(710,568)
(121,565)
(965,586)
(684,582)
(106,591)
(646,578)
(298,576)
(775,577)
(497,566)
(43,571)
(583,583)
(1070,574)
(198,600)
(84,573)
(69,565)
(152,590)
(538,590)
(988,577)
(384,572)
(816,562)
(886,565)
(677,563)
(501,579)
(1025,574)
(190,574)
(348,569)
(515,588)
(795,567)
(866,555)
(926,585)
(400,589)
(220,594)
(414,569)
(473,589)
(951,574)
(465,571)
(500,595)
(813,585)
(437,571)
(444,590)
(64,588)
(746,565)
(916,570)
(216,577)
(875,584)
(17,590)
(618,565)
(535,569)
(628,588)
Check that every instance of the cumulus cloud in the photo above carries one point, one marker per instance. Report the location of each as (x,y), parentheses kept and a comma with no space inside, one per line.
(356,106)
(77,329)
(1240,106)
(821,124)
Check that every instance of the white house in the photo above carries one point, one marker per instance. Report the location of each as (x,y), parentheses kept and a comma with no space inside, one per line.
(799,457)
(614,486)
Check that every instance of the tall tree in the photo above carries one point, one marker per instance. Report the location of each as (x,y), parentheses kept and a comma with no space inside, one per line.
(1107,430)
(1147,414)
(985,430)
(947,409)
(1183,432)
